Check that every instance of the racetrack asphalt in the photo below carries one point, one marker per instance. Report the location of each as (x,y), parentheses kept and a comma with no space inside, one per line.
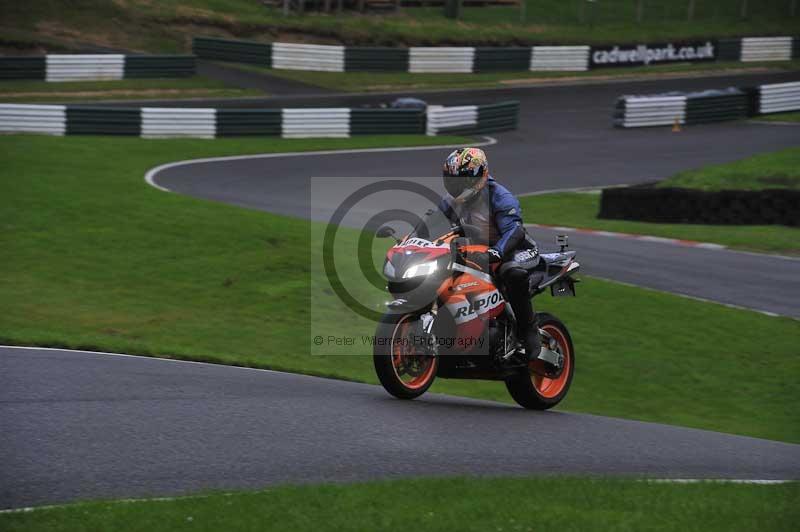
(79,425)
(564,140)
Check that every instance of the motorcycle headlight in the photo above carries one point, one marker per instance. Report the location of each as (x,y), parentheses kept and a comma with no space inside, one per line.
(418,270)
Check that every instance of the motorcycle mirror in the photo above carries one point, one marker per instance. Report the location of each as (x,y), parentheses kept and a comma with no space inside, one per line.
(384,232)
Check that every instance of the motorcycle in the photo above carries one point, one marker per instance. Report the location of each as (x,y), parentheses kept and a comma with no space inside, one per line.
(449,317)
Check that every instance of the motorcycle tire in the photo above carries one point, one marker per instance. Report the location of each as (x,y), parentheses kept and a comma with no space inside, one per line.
(535,392)
(391,362)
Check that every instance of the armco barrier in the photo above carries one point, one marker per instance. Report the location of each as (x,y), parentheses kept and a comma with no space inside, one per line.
(678,205)
(96,67)
(779,97)
(308,57)
(46,119)
(560,58)
(707,106)
(154,122)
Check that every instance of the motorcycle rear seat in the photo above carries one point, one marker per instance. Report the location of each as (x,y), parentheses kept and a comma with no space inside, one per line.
(555,258)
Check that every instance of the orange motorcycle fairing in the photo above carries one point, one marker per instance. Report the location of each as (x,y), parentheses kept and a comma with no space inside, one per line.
(472,300)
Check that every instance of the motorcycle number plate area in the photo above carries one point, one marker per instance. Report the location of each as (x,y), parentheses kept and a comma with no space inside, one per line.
(563,288)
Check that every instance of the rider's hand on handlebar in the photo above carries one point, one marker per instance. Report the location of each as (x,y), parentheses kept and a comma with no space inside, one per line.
(484,258)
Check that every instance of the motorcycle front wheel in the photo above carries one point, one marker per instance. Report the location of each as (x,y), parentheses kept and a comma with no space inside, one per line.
(535,392)
(403,369)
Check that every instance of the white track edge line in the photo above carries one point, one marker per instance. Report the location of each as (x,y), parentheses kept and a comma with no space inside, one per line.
(659,239)
(151,174)
(163,359)
(489,141)
(760,482)
(696,298)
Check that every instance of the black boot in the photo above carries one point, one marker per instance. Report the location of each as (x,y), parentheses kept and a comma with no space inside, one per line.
(527,327)
(529,336)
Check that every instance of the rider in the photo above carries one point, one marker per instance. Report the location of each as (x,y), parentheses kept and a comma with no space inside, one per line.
(475,198)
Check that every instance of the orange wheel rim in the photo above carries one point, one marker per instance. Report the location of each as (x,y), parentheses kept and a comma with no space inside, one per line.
(550,388)
(413,370)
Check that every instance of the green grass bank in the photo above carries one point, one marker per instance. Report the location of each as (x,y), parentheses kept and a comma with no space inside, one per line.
(25,91)
(476,504)
(168,25)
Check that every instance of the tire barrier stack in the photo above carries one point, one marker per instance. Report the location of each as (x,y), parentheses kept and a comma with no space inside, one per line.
(680,205)
(308,57)
(707,106)
(85,67)
(164,122)
(257,53)
(766,49)
(656,110)
(416,59)
(716,106)
(98,121)
(375,59)
(379,121)
(96,67)
(778,97)
(45,119)
(156,122)
(559,58)
(304,123)
(424,60)
(455,120)
(471,119)
(491,59)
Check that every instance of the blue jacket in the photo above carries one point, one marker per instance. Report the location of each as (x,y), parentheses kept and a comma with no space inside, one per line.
(505,213)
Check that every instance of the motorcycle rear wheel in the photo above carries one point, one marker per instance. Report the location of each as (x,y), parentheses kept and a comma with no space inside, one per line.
(401,369)
(536,392)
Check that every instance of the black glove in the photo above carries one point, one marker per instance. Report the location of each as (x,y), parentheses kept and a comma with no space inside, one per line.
(494,255)
(484,258)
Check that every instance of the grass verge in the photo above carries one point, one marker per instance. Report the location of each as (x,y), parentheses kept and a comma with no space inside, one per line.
(95,259)
(386,81)
(772,170)
(19,91)
(779,169)
(444,504)
(781,117)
